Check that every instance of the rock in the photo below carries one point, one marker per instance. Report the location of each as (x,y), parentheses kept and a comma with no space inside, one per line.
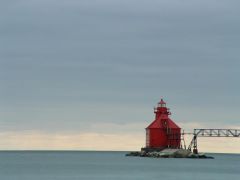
(133,154)
(182,153)
(199,156)
(170,153)
(191,155)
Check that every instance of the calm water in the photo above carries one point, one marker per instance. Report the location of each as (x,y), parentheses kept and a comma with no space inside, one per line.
(113,165)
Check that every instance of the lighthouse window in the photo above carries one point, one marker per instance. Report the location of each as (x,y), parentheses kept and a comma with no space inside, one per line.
(163,105)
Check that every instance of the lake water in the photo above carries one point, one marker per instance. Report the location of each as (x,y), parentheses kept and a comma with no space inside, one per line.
(73,165)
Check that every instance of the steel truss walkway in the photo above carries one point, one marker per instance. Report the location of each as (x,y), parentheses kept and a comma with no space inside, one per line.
(211,133)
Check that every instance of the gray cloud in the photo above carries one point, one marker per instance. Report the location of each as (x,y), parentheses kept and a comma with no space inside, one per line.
(66,64)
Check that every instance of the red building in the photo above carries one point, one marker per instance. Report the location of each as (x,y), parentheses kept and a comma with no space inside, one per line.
(163,132)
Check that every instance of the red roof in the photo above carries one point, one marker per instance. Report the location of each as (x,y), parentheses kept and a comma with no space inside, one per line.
(158,124)
(161,102)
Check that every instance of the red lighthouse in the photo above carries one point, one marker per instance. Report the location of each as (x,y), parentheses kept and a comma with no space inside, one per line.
(162,132)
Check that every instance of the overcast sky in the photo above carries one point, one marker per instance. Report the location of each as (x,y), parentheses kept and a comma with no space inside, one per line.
(94,68)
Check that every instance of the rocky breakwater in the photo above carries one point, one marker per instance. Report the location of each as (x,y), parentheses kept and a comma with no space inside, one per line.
(170,153)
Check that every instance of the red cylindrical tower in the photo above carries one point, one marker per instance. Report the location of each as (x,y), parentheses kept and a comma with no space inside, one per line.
(163,132)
